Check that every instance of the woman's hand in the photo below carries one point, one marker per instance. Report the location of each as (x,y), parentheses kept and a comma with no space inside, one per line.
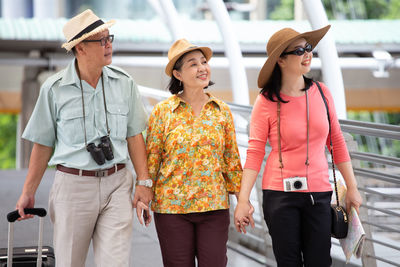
(244,210)
(353,199)
(243,216)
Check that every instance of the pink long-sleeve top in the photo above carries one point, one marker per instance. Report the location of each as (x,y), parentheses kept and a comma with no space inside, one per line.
(293,129)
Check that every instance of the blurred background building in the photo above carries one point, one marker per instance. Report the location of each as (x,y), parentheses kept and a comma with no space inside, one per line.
(365,32)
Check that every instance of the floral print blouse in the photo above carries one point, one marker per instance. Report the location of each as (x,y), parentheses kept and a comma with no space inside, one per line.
(194,161)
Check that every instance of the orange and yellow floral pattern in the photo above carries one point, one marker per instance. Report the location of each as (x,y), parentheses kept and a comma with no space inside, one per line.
(194,161)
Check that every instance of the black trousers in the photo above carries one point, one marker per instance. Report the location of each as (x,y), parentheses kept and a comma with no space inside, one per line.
(300,229)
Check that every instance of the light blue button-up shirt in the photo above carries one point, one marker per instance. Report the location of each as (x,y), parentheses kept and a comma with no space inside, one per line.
(57,120)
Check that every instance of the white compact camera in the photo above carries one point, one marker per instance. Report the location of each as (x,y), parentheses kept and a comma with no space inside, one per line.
(295,184)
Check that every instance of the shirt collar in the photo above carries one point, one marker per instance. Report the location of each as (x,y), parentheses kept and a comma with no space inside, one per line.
(176,100)
(109,72)
(71,77)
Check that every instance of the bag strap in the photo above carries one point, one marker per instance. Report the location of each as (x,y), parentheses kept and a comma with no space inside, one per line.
(330,148)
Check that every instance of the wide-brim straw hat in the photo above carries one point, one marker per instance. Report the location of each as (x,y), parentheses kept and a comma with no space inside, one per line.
(279,41)
(82,26)
(181,47)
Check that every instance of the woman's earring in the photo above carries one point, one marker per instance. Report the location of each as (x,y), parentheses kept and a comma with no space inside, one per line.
(180,83)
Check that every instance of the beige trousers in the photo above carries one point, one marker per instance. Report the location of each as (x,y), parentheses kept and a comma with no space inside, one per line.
(84,208)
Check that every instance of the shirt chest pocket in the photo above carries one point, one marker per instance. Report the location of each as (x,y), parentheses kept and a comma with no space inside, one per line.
(118,120)
(71,126)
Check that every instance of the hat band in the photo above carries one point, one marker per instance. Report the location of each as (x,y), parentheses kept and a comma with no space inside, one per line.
(89,28)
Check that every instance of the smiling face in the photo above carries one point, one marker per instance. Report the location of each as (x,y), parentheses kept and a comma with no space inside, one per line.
(194,72)
(295,64)
(94,52)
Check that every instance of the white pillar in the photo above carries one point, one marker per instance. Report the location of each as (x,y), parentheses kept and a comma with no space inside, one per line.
(45,9)
(328,54)
(155,4)
(15,9)
(172,19)
(260,12)
(298,10)
(240,88)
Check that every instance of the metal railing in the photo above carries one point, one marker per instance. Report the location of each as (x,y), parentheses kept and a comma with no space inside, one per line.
(378,179)
(378,182)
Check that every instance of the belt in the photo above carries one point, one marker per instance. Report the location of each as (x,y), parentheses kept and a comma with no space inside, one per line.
(96,173)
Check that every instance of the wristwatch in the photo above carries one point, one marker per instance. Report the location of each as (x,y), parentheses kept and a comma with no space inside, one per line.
(147,183)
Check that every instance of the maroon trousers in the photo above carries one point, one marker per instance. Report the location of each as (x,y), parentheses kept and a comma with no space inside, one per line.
(184,237)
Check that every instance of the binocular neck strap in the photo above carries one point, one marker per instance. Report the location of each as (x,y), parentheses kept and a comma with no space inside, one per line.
(279,135)
(105,105)
(83,102)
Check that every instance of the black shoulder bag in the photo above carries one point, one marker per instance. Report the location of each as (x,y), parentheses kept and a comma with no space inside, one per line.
(340,223)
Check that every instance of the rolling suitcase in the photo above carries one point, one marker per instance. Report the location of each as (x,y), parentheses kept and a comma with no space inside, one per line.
(26,256)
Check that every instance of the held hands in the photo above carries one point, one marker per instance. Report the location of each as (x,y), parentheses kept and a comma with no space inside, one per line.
(243,216)
(142,193)
(141,201)
(143,213)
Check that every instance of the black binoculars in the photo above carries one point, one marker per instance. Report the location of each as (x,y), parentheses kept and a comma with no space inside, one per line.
(101,152)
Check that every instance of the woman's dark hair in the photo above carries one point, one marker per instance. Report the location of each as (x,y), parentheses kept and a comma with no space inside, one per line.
(272,88)
(175,86)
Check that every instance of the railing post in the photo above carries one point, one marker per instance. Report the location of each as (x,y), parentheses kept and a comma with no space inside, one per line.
(368,246)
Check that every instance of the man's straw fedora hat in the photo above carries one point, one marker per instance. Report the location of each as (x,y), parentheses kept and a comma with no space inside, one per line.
(279,41)
(82,26)
(180,47)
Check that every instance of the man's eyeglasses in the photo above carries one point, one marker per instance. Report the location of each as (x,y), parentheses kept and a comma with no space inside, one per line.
(102,41)
(299,51)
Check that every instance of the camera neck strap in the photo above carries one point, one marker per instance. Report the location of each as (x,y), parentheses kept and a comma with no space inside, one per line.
(279,135)
(83,102)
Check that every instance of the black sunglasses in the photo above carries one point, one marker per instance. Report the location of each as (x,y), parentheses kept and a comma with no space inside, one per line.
(299,51)
(102,41)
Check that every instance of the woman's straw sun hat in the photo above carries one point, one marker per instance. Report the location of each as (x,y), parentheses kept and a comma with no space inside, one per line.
(82,26)
(180,47)
(279,41)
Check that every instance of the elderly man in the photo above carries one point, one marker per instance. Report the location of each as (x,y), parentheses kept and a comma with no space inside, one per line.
(87,121)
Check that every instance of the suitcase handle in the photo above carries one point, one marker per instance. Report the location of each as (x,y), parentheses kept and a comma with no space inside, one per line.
(14,215)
